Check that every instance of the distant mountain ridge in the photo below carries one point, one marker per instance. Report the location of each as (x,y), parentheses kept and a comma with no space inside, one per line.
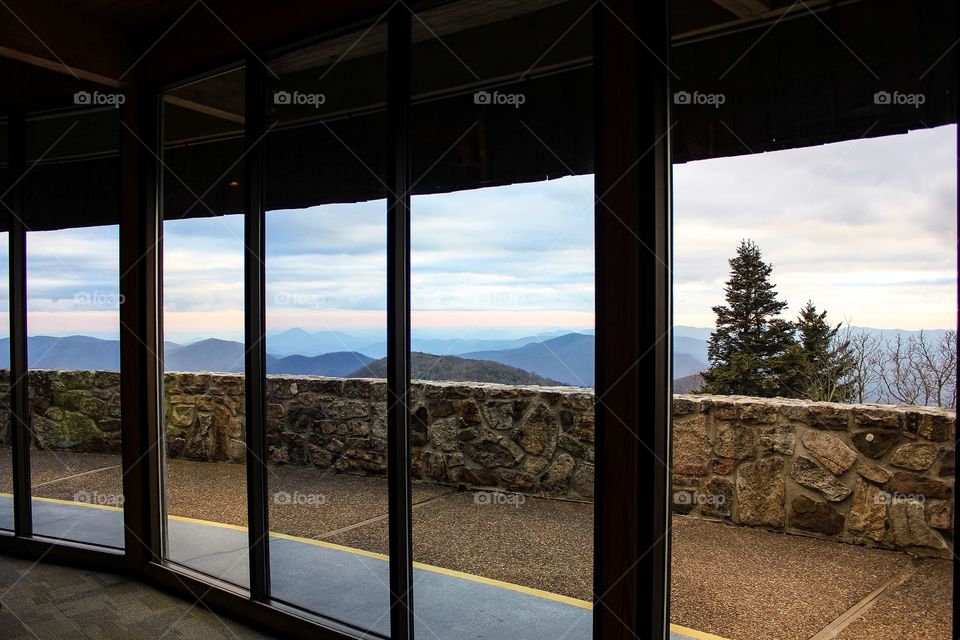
(565,357)
(300,342)
(71,352)
(84,352)
(339,364)
(568,358)
(427,366)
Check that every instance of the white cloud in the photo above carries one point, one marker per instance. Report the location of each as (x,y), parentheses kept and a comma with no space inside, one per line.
(865,228)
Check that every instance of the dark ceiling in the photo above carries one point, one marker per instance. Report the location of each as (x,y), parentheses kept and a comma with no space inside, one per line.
(142,15)
(792,74)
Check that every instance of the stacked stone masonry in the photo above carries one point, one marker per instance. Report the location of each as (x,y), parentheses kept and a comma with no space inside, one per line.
(875,475)
(866,474)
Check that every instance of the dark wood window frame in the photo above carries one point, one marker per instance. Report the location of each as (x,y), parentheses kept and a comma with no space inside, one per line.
(632,214)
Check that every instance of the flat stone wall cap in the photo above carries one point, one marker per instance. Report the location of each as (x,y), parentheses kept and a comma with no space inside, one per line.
(794,402)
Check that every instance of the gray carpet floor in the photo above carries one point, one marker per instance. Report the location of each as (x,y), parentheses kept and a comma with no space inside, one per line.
(40,601)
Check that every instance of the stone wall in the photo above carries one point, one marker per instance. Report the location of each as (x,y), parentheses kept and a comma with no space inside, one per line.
(534,440)
(525,439)
(866,474)
(70,410)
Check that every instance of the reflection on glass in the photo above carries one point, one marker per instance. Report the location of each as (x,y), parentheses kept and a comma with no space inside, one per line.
(6,460)
(73,325)
(203,392)
(503,292)
(326,301)
(6,457)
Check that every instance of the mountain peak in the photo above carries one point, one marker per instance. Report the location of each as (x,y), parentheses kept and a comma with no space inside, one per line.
(295,332)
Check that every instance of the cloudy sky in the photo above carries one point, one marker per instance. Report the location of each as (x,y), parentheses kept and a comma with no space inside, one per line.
(866,229)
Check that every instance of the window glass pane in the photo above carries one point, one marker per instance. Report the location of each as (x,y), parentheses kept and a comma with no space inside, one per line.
(73,324)
(326,328)
(503,319)
(815,316)
(203,304)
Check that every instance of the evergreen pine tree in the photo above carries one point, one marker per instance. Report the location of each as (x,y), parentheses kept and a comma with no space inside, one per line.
(825,362)
(748,351)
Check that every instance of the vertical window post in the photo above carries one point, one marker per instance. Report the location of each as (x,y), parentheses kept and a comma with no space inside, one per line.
(139,360)
(255,365)
(19,384)
(633,321)
(398,324)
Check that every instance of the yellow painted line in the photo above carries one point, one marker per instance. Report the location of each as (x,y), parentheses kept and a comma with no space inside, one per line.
(693,633)
(556,597)
(70,502)
(539,593)
(209,523)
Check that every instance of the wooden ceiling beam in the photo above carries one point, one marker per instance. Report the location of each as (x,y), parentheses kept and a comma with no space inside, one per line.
(48,35)
(206,109)
(220,32)
(745,8)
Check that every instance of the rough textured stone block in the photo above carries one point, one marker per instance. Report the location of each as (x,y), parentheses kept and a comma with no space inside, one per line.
(828,416)
(916,456)
(760,492)
(908,524)
(808,473)
(906,483)
(691,447)
(717,498)
(735,440)
(759,412)
(778,439)
(940,514)
(812,515)
(832,452)
(557,477)
(868,511)
(537,432)
(583,480)
(873,472)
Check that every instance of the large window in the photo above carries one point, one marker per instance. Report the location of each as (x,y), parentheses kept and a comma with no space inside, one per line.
(399,361)
(502,286)
(73,304)
(502,424)
(815,344)
(326,285)
(204,479)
